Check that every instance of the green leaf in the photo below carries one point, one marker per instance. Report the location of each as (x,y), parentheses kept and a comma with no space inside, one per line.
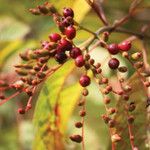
(67,103)
(53,109)
(138,96)
(8,51)
(11,29)
(12,48)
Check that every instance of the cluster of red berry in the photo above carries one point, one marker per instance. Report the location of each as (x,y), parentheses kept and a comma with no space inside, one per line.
(115,49)
(60,47)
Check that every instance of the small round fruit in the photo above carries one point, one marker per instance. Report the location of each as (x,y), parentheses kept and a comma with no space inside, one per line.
(113,48)
(67,21)
(60,57)
(64,45)
(84,80)
(125,46)
(79,61)
(54,37)
(70,32)
(68,12)
(113,63)
(75,52)
(21,111)
(76,138)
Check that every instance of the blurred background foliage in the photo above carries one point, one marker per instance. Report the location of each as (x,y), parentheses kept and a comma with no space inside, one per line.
(20,30)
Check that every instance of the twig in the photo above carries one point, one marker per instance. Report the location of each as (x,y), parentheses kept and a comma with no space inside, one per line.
(97,7)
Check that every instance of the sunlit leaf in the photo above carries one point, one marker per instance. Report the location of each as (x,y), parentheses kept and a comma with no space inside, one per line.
(75,5)
(81,8)
(67,103)
(11,29)
(8,51)
(54,99)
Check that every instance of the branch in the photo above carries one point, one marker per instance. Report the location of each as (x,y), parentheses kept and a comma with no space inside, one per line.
(132,8)
(97,7)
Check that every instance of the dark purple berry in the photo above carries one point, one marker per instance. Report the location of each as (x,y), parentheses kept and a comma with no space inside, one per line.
(75,52)
(113,48)
(68,12)
(60,57)
(65,45)
(76,138)
(85,80)
(21,111)
(54,37)
(78,124)
(61,27)
(113,63)
(79,61)
(68,21)
(125,46)
(70,32)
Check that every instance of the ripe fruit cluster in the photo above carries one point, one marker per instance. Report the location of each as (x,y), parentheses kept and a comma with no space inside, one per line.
(114,49)
(60,47)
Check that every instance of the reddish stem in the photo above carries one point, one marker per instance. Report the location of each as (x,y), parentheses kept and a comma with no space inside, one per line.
(9,98)
(83,120)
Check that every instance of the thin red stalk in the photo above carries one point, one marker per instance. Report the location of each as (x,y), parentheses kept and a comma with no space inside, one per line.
(140,76)
(83,139)
(110,131)
(30,98)
(9,98)
(129,126)
(131,136)
(123,20)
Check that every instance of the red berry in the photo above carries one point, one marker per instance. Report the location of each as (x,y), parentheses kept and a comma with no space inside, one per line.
(75,52)
(76,138)
(60,57)
(113,63)
(113,48)
(61,27)
(65,45)
(79,61)
(78,124)
(68,21)
(70,32)
(125,46)
(54,37)
(85,80)
(68,12)
(21,111)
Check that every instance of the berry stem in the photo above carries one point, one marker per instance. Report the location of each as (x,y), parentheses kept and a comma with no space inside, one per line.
(87,30)
(140,76)
(83,139)
(126,111)
(9,98)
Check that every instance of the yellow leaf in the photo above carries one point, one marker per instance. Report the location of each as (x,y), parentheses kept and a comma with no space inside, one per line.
(81,8)
(8,51)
